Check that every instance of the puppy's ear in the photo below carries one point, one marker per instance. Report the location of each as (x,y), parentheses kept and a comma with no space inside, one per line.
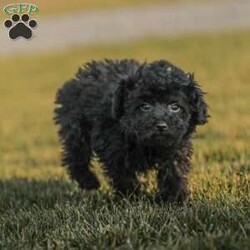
(200,108)
(118,99)
(127,83)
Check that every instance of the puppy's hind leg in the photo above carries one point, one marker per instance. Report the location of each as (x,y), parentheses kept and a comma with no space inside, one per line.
(77,155)
(74,134)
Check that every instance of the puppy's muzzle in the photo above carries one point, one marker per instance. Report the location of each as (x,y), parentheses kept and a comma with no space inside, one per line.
(162,126)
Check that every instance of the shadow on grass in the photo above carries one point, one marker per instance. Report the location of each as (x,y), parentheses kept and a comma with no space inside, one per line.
(23,193)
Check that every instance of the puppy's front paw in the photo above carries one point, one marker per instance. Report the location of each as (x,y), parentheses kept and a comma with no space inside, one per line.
(128,190)
(88,181)
(166,197)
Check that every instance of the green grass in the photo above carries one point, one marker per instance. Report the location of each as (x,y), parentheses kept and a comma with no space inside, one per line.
(41,208)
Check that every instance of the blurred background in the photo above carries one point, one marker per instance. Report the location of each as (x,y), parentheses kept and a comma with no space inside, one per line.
(209,38)
(41,209)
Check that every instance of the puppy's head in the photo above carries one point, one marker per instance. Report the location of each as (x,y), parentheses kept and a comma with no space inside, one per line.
(159,104)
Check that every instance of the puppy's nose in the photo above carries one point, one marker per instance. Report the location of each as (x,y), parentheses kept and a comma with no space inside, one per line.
(162,126)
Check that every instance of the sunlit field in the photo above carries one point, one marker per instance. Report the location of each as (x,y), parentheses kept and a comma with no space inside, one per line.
(41,207)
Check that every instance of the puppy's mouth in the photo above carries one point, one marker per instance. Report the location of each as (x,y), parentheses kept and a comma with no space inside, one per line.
(160,137)
(163,135)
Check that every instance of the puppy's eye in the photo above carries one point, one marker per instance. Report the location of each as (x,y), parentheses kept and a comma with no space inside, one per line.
(146,107)
(174,108)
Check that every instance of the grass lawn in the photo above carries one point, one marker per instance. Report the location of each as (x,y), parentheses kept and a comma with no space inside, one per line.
(41,208)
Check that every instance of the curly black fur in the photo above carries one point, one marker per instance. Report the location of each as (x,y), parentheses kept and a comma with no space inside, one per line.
(134,117)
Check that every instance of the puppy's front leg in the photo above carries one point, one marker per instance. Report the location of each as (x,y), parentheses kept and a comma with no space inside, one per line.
(172,183)
(123,178)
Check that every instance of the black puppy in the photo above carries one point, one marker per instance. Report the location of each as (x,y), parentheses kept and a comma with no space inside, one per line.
(134,117)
